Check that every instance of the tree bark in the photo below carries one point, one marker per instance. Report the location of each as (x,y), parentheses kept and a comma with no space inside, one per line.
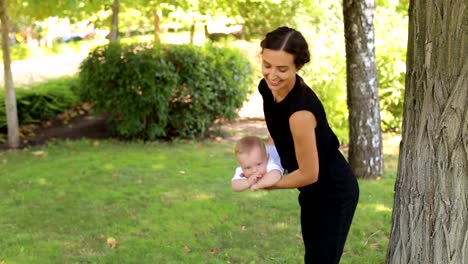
(10,98)
(365,137)
(192,31)
(114,34)
(430,213)
(157,22)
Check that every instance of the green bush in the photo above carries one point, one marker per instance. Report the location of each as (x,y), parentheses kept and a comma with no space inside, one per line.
(18,52)
(328,80)
(391,73)
(132,84)
(391,67)
(41,102)
(164,91)
(213,83)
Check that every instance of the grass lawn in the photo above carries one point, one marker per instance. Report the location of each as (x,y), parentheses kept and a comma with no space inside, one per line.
(114,202)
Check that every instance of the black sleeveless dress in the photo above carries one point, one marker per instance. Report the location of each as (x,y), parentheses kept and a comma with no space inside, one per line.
(327,206)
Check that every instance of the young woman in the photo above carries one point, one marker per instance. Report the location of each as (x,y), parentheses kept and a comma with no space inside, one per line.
(308,148)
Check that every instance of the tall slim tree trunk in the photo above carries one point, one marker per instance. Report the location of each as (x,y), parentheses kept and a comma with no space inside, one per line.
(192,31)
(10,98)
(114,34)
(365,138)
(430,212)
(157,22)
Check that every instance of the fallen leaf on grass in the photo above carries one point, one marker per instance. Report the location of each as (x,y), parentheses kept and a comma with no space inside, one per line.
(39,153)
(87,106)
(187,249)
(111,242)
(66,244)
(299,235)
(213,251)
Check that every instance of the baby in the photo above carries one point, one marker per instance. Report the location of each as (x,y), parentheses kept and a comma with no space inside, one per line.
(259,165)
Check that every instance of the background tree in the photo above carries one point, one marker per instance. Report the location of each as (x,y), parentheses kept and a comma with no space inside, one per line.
(114,33)
(262,16)
(365,138)
(10,97)
(430,214)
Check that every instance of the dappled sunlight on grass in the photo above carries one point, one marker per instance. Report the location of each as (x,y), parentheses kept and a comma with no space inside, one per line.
(175,196)
(42,182)
(257,194)
(158,167)
(203,196)
(281,226)
(381,208)
(164,198)
(108,166)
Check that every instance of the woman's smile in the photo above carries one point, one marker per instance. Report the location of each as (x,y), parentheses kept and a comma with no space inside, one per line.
(279,71)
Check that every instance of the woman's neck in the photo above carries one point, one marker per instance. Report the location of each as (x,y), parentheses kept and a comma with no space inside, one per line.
(279,95)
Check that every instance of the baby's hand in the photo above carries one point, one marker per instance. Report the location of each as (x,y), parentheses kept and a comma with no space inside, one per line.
(254,188)
(252,179)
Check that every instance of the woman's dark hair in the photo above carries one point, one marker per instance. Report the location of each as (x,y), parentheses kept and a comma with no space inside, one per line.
(288,40)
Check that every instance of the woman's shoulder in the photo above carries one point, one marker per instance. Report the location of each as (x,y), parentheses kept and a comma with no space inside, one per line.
(304,98)
(302,94)
(262,86)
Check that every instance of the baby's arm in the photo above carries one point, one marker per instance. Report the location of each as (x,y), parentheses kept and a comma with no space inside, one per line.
(240,185)
(268,180)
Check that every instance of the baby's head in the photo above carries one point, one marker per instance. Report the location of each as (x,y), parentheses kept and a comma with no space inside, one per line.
(251,155)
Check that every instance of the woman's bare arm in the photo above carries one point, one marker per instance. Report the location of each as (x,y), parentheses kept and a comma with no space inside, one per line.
(302,125)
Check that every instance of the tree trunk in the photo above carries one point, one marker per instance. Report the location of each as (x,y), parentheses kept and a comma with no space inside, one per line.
(192,32)
(157,21)
(430,213)
(365,138)
(114,34)
(10,98)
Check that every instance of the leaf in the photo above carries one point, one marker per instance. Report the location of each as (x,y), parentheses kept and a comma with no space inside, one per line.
(39,153)
(187,249)
(112,242)
(213,251)
(299,235)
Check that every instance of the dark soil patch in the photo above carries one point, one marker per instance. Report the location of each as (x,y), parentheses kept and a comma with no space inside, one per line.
(78,127)
(88,126)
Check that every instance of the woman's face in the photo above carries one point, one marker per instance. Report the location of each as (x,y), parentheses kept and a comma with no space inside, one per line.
(278,70)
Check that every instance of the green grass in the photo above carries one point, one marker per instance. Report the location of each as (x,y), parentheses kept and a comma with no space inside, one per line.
(163,203)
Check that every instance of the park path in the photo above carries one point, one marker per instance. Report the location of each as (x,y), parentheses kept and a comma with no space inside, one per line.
(26,72)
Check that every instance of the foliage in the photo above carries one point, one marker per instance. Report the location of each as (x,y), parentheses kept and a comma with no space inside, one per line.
(165,91)
(41,102)
(262,16)
(326,79)
(18,52)
(162,203)
(320,21)
(326,73)
(133,84)
(391,69)
(213,83)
